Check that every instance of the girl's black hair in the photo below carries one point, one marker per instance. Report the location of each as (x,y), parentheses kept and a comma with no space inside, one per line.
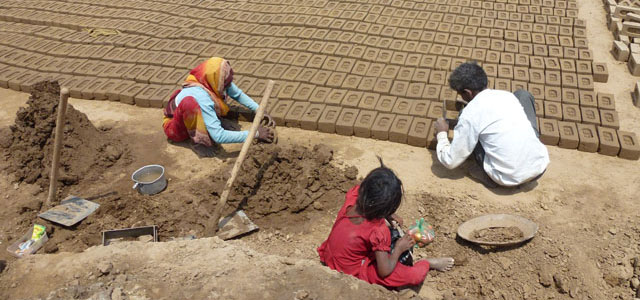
(380,193)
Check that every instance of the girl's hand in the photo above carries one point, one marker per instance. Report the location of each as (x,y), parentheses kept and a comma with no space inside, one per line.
(397,218)
(404,243)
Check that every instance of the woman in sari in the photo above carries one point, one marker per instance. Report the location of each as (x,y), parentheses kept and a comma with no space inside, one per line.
(195,111)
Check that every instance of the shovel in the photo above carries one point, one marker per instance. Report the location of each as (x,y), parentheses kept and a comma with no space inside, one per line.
(237,223)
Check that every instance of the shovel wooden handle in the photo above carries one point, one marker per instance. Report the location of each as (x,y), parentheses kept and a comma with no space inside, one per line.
(212,226)
(55,162)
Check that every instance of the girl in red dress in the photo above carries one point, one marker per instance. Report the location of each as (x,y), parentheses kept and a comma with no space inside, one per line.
(360,241)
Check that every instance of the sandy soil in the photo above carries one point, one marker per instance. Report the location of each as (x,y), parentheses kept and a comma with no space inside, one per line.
(586,206)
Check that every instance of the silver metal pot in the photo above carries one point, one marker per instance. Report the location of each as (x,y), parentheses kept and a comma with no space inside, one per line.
(149,179)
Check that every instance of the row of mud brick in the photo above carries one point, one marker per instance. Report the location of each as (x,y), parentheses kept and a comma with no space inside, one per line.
(385,123)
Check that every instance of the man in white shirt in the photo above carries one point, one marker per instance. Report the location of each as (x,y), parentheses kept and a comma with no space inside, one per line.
(498,127)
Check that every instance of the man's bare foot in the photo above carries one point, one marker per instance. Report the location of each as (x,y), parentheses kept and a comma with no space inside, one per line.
(441,264)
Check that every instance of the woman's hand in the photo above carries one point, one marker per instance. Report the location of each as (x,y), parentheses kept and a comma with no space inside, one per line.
(265,135)
(404,243)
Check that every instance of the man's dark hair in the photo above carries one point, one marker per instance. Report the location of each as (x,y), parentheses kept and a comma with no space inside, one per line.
(380,193)
(468,76)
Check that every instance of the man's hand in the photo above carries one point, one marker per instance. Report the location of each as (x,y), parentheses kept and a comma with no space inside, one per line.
(265,135)
(442,125)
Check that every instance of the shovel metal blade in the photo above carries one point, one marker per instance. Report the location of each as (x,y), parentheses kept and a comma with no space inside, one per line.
(235,225)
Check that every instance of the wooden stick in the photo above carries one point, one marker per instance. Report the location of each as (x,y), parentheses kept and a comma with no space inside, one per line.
(55,162)
(212,227)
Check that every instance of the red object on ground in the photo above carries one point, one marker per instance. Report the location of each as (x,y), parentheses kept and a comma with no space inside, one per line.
(350,248)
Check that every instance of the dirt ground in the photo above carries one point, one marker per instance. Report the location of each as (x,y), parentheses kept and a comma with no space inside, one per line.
(585,204)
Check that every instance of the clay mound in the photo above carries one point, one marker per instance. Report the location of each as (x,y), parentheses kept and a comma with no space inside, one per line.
(29,145)
(275,179)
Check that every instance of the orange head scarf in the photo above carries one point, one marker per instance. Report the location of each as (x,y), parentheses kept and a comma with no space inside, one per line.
(213,75)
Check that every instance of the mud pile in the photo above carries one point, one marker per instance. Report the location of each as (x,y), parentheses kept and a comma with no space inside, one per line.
(274,179)
(28,144)
(498,234)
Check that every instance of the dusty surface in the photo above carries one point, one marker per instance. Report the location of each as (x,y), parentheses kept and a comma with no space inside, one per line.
(585,204)
(570,208)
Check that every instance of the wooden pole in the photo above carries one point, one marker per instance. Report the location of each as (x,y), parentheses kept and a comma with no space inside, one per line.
(55,162)
(212,226)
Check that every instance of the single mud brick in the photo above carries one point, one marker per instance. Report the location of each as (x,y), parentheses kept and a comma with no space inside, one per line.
(552,110)
(601,72)
(571,112)
(279,111)
(400,129)
(606,101)
(369,101)
(160,76)
(609,142)
(352,99)
(143,98)
(304,91)
(147,73)
(295,113)
(609,118)
(536,76)
(432,92)
(420,108)
(590,115)
(553,78)
(635,95)
(320,94)
(633,64)
(435,110)
(568,135)
(128,95)
(328,119)
(537,91)
(83,88)
(620,51)
(309,120)
(364,122)
(383,85)
(113,92)
(588,99)
(386,103)
(287,90)
(552,93)
(382,125)
(101,91)
(629,146)
(419,132)
(346,120)
(588,138)
(134,71)
(402,106)
(335,97)
(549,134)
(502,84)
(570,96)
(569,80)
(539,107)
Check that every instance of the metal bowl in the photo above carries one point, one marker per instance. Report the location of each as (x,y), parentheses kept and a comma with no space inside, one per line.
(149,180)
(528,228)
